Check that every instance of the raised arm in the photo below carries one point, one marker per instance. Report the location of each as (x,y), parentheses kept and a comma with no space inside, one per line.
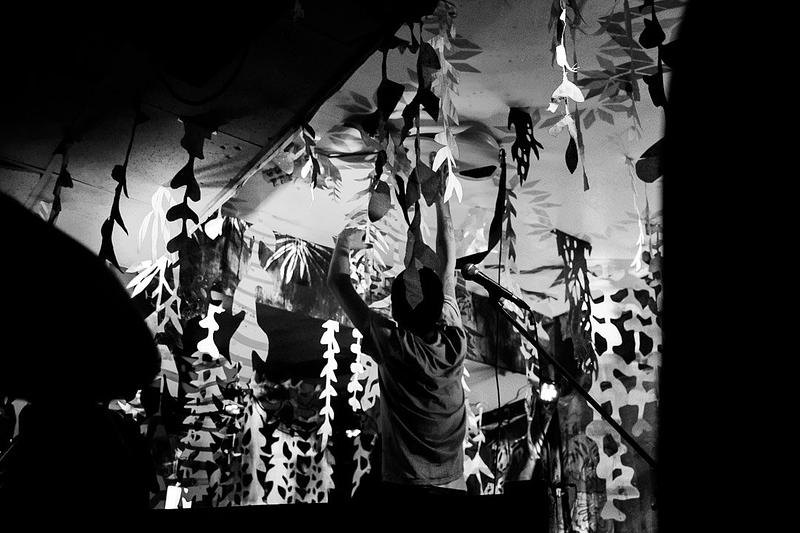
(445,247)
(339,277)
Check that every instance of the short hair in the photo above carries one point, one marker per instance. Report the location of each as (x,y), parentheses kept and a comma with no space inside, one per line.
(424,316)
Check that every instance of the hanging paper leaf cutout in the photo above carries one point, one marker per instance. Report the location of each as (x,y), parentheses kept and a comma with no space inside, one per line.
(496,226)
(178,242)
(107,246)
(652,35)
(194,136)
(521,149)
(115,214)
(380,201)
(670,53)
(429,182)
(64,178)
(427,66)
(571,155)
(182,212)
(389,94)
(118,175)
(185,177)
(648,167)
(655,86)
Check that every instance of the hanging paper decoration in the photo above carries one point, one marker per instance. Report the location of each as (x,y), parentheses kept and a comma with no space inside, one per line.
(170,307)
(388,96)
(328,338)
(628,340)
(427,67)
(146,273)
(496,225)
(200,455)
(573,252)
(156,222)
(475,466)
(361,458)
(566,91)
(208,322)
(446,79)
(213,226)
(253,446)
(311,169)
(357,370)
(279,472)
(250,341)
(641,241)
(452,185)
(119,174)
(192,141)
(521,149)
(372,390)
(64,179)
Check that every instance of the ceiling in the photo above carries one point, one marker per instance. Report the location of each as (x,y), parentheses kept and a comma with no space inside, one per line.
(288,69)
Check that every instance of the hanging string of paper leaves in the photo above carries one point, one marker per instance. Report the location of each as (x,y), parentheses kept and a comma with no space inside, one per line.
(119,174)
(194,136)
(311,168)
(573,252)
(566,91)
(328,338)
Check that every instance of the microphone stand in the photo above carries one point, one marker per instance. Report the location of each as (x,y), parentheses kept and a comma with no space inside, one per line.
(524,332)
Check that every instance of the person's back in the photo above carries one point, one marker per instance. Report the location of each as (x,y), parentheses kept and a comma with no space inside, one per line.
(423,419)
(421,359)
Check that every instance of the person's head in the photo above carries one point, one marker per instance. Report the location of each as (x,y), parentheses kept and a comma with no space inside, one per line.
(421,319)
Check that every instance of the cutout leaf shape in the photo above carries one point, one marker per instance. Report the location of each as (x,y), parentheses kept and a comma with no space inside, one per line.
(107,246)
(571,155)
(648,167)
(380,201)
(521,149)
(653,34)
(567,89)
(182,211)
(64,178)
(496,225)
(185,177)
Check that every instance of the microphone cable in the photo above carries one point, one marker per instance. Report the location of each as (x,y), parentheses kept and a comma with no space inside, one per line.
(497,371)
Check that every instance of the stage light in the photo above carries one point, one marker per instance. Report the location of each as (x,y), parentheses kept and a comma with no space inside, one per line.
(548,392)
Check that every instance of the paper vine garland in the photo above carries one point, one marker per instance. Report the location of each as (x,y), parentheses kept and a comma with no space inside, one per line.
(192,141)
(328,338)
(64,179)
(566,91)
(119,174)
(573,252)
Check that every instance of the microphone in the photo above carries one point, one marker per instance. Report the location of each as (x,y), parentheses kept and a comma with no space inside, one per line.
(472,273)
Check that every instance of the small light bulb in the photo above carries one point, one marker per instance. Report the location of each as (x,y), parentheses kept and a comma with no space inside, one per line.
(548,392)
